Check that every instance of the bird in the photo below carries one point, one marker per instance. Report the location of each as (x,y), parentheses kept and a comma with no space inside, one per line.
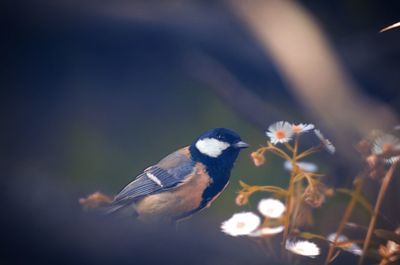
(182,183)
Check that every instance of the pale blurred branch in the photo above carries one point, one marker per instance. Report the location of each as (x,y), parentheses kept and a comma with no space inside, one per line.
(291,36)
(395,25)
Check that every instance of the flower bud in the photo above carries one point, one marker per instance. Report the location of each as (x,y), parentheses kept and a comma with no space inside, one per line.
(241,199)
(258,159)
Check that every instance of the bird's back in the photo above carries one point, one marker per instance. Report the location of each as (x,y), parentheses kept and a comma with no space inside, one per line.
(166,176)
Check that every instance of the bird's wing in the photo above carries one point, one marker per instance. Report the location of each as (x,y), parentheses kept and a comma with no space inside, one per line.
(168,173)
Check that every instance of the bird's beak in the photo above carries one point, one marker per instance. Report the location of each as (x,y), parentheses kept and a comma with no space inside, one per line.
(241,145)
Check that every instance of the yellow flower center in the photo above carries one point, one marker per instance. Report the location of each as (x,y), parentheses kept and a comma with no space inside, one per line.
(296,128)
(280,134)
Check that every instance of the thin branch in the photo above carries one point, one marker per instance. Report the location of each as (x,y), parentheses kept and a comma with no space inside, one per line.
(345,218)
(385,184)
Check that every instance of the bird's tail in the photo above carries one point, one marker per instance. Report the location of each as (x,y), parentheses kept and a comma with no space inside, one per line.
(119,210)
(95,201)
(105,205)
(112,208)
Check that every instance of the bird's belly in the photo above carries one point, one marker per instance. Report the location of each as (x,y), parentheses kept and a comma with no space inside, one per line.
(174,203)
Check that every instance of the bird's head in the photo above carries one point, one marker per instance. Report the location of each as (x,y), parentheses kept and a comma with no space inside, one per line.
(217,147)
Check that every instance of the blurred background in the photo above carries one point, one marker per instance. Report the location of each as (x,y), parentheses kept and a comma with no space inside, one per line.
(93,92)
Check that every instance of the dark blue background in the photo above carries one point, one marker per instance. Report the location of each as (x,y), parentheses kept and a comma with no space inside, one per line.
(94,92)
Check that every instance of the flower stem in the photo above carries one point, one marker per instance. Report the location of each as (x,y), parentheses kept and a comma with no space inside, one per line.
(297,189)
(270,247)
(288,212)
(289,147)
(385,184)
(290,195)
(345,218)
(384,261)
(309,152)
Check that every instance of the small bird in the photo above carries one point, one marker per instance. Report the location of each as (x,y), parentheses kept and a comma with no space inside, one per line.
(184,182)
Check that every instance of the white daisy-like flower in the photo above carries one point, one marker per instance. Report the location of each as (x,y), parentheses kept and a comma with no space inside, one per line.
(386,142)
(392,247)
(303,247)
(302,128)
(327,144)
(271,208)
(355,249)
(241,224)
(351,247)
(392,160)
(280,132)
(267,231)
(341,238)
(305,166)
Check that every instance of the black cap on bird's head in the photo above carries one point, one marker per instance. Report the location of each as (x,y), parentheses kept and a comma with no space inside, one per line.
(217,147)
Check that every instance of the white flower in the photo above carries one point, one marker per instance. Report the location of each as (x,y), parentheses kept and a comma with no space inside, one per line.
(241,224)
(327,144)
(392,247)
(355,249)
(280,132)
(341,238)
(386,142)
(267,231)
(351,247)
(305,166)
(302,128)
(303,247)
(271,208)
(392,160)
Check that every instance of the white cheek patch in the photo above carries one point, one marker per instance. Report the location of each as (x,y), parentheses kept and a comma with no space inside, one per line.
(211,147)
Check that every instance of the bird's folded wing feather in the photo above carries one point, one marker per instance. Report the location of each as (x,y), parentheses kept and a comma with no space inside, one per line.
(168,173)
